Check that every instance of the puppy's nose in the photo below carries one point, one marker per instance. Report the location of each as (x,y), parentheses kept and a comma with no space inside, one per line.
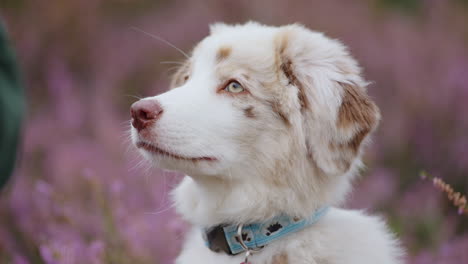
(144,113)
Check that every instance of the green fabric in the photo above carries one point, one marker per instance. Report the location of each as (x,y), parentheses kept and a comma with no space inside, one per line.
(11,108)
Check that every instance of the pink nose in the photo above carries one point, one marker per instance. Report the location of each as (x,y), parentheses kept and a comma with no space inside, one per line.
(145,113)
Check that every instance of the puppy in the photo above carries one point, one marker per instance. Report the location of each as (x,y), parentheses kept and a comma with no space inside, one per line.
(268,124)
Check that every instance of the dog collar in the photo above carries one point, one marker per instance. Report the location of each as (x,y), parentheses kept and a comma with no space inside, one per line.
(226,238)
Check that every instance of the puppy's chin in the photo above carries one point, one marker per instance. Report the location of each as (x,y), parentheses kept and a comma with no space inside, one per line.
(171,159)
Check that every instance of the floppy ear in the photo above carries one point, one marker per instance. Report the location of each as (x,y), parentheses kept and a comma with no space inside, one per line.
(357,117)
(337,113)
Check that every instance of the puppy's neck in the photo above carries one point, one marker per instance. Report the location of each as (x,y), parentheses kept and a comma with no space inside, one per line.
(209,200)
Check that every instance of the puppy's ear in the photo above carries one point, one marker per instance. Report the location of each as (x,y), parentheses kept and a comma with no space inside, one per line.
(337,113)
(357,117)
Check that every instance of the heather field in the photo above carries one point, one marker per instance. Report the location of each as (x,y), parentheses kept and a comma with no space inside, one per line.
(80,193)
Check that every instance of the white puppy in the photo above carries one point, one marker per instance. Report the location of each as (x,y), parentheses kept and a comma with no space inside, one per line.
(268,124)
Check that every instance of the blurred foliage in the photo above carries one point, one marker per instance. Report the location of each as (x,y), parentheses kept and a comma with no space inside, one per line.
(407,6)
(11,108)
(130,8)
(15,5)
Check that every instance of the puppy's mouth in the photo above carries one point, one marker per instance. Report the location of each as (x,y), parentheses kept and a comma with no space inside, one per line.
(155,150)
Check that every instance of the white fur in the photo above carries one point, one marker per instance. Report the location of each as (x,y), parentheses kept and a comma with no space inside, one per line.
(265,165)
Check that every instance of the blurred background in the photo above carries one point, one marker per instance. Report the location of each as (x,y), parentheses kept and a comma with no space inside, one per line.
(81,195)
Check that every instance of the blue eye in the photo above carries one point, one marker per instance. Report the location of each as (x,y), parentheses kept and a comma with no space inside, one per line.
(234,87)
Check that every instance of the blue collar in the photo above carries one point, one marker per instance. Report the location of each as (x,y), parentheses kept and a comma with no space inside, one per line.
(225,238)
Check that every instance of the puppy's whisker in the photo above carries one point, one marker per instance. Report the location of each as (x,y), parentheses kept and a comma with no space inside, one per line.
(137,166)
(161,211)
(134,96)
(125,122)
(125,125)
(162,40)
(172,69)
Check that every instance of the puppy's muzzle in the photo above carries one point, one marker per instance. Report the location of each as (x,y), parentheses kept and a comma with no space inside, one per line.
(145,113)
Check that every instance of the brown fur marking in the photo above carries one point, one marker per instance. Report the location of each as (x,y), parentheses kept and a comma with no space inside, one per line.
(286,66)
(353,144)
(357,112)
(356,108)
(357,139)
(277,109)
(248,112)
(223,53)
(310,155)
(344,161)
(282,41)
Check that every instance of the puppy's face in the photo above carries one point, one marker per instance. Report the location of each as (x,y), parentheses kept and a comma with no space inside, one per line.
(252,100)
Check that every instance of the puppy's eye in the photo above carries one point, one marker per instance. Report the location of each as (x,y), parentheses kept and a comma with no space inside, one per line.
(234,87)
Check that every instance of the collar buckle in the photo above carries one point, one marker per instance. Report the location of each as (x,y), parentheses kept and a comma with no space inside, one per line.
(243,245)
(248,251)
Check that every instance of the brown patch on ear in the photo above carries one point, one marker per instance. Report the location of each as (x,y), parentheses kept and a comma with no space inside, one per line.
(248,112)
(280,259)
(286,67)
(356,109)
(223,53)
(357,117)
(357,112)
(355,142)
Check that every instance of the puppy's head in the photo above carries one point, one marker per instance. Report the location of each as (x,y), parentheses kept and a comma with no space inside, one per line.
(282,105)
